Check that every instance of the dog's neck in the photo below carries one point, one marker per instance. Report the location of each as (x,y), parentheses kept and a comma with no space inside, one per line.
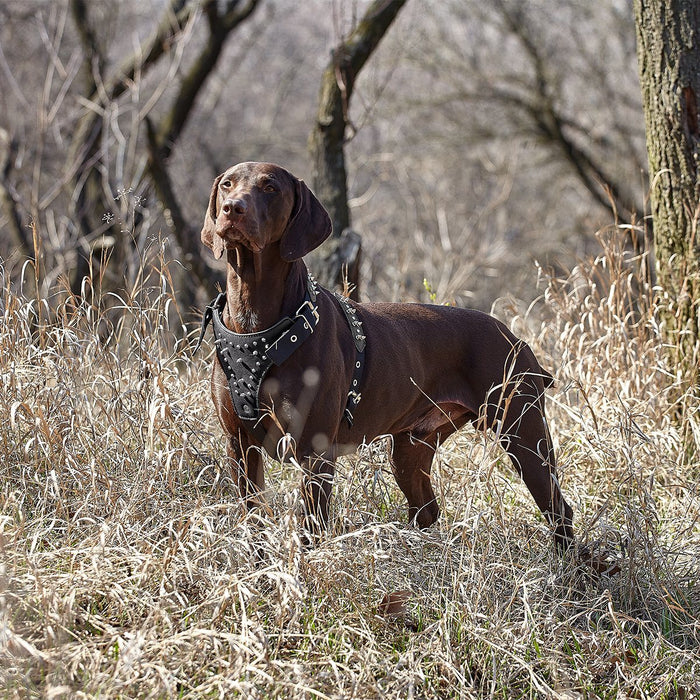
(261,288)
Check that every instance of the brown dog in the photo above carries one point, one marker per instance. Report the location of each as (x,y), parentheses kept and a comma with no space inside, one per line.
(422,372)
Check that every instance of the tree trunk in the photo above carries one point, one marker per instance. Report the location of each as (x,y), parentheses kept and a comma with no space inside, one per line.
(327,139)
(8,200)
(668,49)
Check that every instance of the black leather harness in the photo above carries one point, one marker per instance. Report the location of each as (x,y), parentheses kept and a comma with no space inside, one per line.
(247,357)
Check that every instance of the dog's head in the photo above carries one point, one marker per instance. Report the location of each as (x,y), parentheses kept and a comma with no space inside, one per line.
(260,204)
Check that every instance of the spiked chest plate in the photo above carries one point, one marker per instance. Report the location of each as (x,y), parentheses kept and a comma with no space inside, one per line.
(247,357)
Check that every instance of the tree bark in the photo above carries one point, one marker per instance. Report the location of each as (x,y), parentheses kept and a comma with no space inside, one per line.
(668,49)
(327,139)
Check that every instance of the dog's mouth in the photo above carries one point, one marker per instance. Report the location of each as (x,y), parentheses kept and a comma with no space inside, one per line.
(233,236)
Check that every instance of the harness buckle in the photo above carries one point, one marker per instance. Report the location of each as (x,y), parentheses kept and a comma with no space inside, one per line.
(314,310)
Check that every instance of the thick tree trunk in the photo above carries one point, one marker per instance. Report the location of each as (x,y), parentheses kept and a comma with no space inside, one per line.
(327,139)
(668,47)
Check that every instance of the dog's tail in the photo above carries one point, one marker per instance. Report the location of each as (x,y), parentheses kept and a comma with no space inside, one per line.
(523,350)
(547,378)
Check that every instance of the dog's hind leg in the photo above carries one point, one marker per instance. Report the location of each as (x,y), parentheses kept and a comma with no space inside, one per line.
(525,437)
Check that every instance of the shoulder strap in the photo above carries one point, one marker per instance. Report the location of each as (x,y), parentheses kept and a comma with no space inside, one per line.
(360,341)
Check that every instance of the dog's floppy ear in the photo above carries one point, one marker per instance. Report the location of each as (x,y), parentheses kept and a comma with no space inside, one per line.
(309,224)
(209,236)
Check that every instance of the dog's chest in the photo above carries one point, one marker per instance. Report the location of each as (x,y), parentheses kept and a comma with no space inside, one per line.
(247,358)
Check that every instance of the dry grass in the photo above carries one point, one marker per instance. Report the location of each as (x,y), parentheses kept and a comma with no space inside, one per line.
(129,568)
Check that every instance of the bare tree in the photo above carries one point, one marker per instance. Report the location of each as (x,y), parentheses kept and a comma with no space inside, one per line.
(328,137)
(89,151)
(505,132)
(518,82)
(221,21)
(668,36)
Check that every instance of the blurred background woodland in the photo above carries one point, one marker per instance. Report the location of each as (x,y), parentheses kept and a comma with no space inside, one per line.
(480,136)
(462,140)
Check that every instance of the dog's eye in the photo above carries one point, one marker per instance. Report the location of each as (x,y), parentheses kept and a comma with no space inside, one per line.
(269,187)
(226,184)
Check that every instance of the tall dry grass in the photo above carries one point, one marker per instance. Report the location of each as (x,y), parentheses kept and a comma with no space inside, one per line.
(130,569)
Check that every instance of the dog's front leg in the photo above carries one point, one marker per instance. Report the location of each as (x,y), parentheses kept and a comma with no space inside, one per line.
(246,464)
(316,489)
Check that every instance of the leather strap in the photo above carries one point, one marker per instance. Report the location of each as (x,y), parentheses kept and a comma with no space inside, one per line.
(360,341)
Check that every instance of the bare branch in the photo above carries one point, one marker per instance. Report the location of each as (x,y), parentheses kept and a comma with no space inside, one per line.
(552,124)
(161,140)
(220,25)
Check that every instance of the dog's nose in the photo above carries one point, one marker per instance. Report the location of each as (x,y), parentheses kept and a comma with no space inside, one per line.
(233,207)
